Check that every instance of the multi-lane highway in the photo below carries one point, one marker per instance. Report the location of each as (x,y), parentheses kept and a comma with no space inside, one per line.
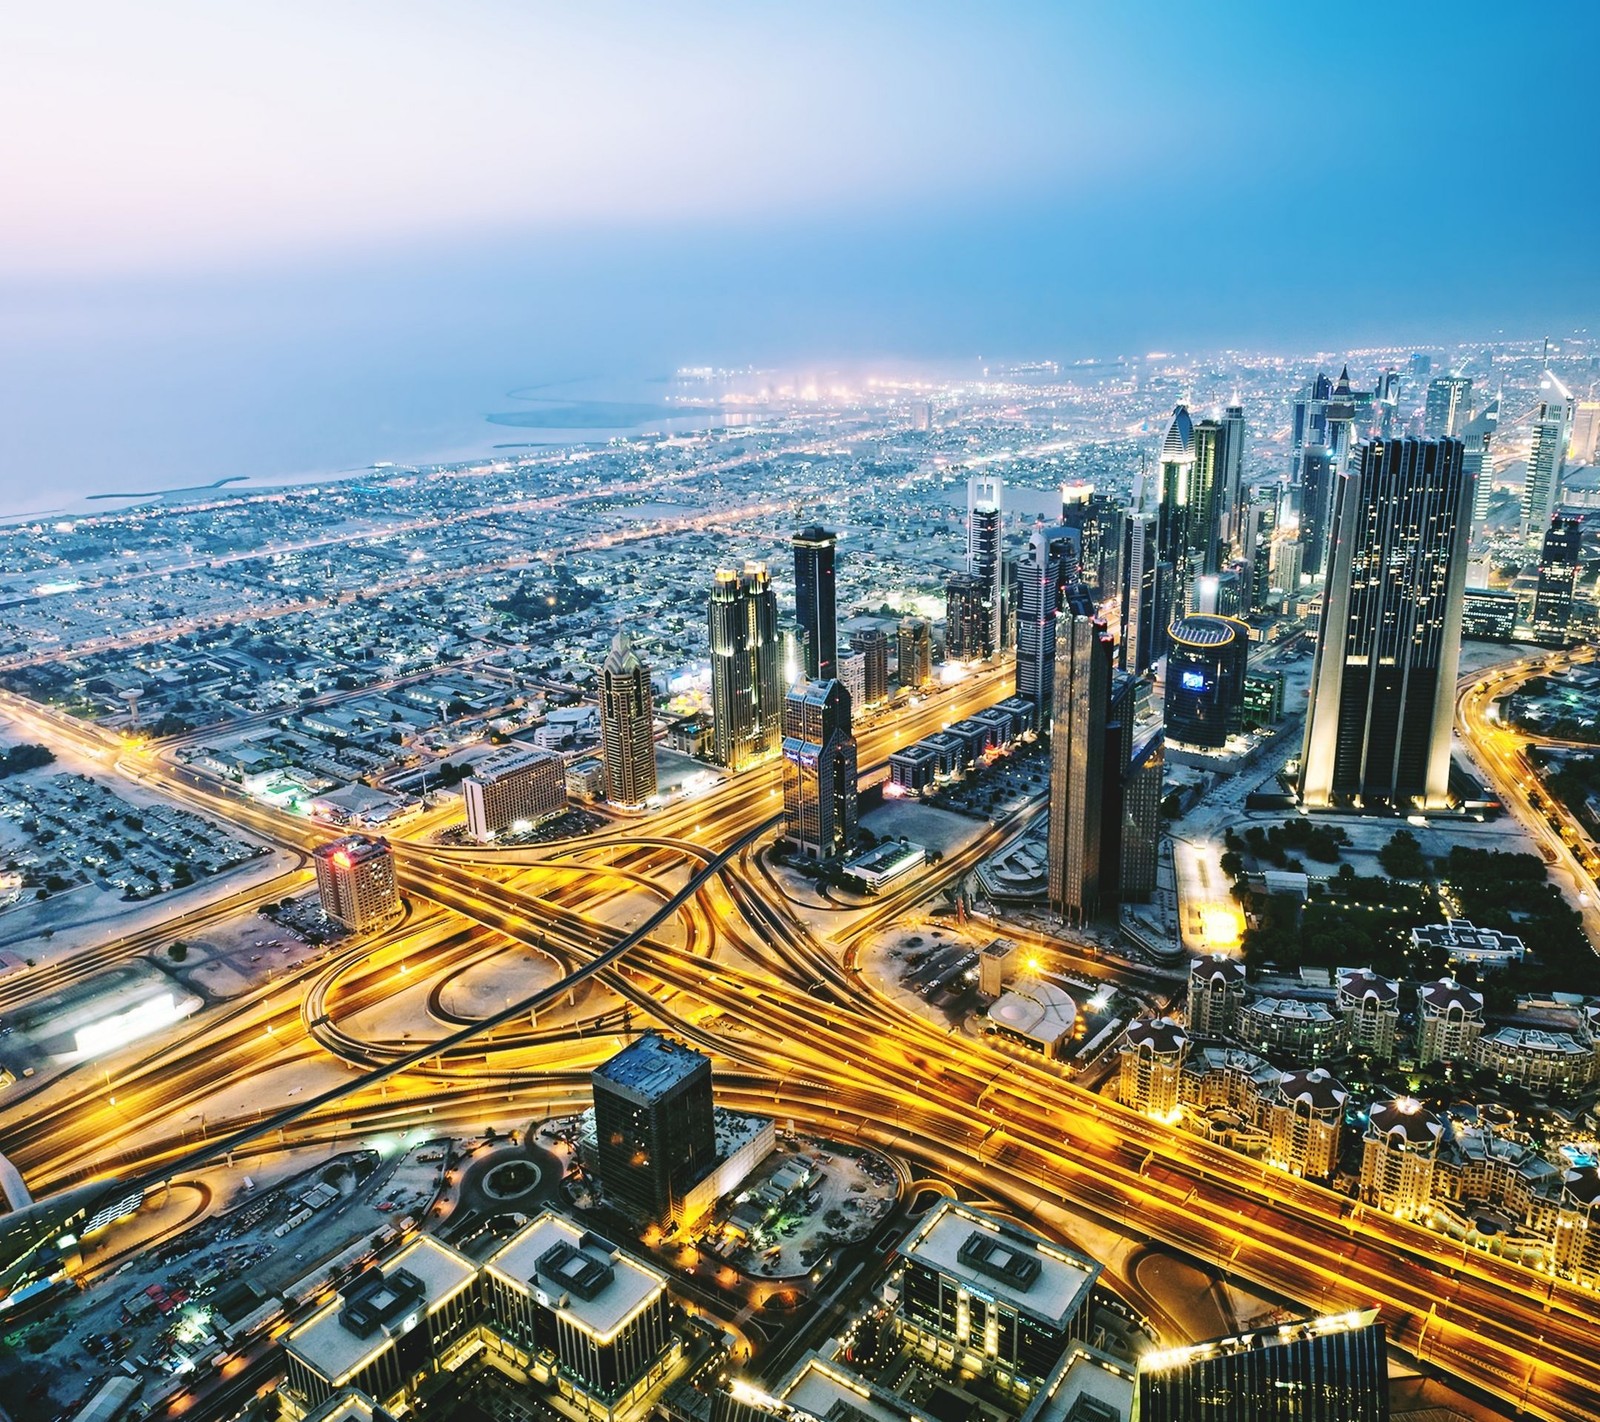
(797,1031)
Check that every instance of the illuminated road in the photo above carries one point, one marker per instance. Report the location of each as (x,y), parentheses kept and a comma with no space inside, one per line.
(725,962)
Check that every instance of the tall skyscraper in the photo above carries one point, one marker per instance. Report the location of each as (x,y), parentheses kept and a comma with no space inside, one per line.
(1096,519)
(1077,768)
(1547,460)
(1038,591)
(913,653)
(1146,602)
(1340,418)
(356,882)
(1559,563)
(1259,523)
(1383,682)
(1230,480)
(655,1131)
(627,725)
(1318,484)
(819,769)
(1176,510)
(1325,1370)
(1206,498)
(1309,421)
(1448,408)
(1477,441)
(746,696)
(814,600)
(986,557)
(968,625)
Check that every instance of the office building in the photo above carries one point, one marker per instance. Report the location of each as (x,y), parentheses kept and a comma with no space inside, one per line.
(1369,1003)
(627,725)
(814,600)
(1318,483)
(1560,561)
(1339,421)
(1121,712)
(1207,660)
(1216,993)
(1477,443)
(1449,1022)
(819,769)
(514,789)
(746,680)
(1584,446)
(1305,1124)
(986,558)
(1326,1370)
(872,646)
(1038,582)
(655,1134)
(1398,1156)
(1096,519)
(1383,682)
(1206,541)
(1263,698)
(1178,511)
(1259,522)
(1488,616)
(968,624)
(588,1319)
(356,882)
(913,653)
(1141,817)
(1150,1067)
(1146,600)
(1230,500)
(1077,768)
(1547,459)
(1448,408)
(386,1332)
(985,1296)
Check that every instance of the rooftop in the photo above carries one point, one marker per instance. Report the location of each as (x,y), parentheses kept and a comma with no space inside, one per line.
(335,1350)
(587,1278)
(652,1064)
(1036,1009)
(999,1260)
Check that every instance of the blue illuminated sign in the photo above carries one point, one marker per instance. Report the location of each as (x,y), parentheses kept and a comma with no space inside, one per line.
(1193,681)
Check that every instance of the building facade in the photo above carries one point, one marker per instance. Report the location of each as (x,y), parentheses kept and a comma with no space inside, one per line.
(1150,1067)
(1383,681)
(627,725)
(819,769)
(746,678)
(1449,1022)
(1398,1156)
(1216,993)
(814,606)
(1560,562)
(1305,1124)
(1077,769)
(356,882)
(514,787)
(913,653)
(1370,1006)
(1207,661)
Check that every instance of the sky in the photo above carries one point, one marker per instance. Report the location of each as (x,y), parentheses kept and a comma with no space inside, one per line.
(281,238)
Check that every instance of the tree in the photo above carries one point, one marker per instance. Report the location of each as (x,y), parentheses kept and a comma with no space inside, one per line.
(1402,857)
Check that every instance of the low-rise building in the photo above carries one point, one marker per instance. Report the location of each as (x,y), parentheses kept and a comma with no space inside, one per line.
(1035,1015)
(1541,1061)
(513,789)
(1462,942)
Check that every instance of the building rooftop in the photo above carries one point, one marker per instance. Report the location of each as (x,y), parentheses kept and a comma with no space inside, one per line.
(998,1259)
(1406,1117)
(821,1389)
(1356,984)
(652,1064)
(1533,1039)
(1217,965)
(587,1279)
(356,1327)
(1290,1009)
(1156,1034)
(1448,993)
(1464,940)
(1204,629)
(1318,1089)
(1036,1009)
(510,762)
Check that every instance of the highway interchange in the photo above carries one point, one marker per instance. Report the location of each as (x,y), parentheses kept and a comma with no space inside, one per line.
(796,1030)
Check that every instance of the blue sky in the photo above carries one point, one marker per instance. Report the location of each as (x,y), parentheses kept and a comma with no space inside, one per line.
(332,232)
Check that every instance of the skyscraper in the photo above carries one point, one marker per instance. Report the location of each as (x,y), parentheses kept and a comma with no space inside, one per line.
(1077,768)
(968,626)
(872,645)
(627,729)
(1318,481)
(1325,1370)
(356,882)
(819,768)
(1176,510)
(1559,564)
(655,1132)
(814,600)
(1230,479)
(746,700)
(1205,521)
(1097,521)
(1547,460)
(1383,683)
(986,550)
(913,653)
(1448,408)
(1038,581)
(1259,523)
(1340,418)
(1477,441)
(1146,602)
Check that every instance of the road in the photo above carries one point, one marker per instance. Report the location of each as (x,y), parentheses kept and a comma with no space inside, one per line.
(796,1030)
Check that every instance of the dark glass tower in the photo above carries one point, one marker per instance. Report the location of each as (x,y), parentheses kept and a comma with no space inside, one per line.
(814,600)
(655,1133)
(1207,659)
(1559,562)
(1038,592)
(1078,770)
(1383,683)
(1328,1370)
(746,676)
(968,625)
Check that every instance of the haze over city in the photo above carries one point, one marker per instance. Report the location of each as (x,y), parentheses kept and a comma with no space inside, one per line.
(799,714)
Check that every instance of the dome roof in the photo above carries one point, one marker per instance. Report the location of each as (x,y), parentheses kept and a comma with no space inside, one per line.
(1407,1118)
(1317,1088)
